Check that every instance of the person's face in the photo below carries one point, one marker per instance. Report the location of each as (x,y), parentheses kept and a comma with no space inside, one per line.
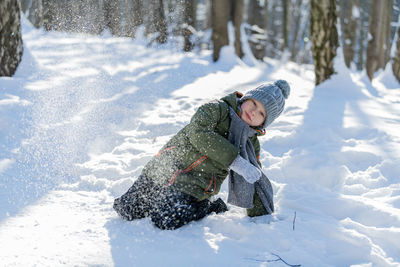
(253,112)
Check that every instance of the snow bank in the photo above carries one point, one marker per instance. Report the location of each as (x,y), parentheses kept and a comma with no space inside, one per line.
(84,114)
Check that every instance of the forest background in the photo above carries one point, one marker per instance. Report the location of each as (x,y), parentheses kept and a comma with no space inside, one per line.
(303,31)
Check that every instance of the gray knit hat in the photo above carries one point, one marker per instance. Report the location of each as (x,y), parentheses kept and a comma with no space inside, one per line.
(272,96)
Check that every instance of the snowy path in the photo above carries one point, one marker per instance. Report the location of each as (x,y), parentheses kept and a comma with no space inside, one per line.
(84,114)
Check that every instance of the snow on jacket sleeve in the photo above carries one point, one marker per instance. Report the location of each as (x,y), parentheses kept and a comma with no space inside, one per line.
(203,136)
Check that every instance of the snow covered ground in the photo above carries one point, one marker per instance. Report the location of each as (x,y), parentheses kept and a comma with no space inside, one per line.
(83,115)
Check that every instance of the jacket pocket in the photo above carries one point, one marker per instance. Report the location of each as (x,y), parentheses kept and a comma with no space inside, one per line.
(188,169)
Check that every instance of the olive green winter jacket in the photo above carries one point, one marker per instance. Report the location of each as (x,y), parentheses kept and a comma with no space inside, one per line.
(197,158)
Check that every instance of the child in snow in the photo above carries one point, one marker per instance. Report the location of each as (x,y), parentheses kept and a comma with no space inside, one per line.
(176,185)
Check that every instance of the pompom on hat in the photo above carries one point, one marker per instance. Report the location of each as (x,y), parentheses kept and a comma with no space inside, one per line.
(272,96)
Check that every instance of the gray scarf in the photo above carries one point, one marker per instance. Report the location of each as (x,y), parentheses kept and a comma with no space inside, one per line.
(241,192)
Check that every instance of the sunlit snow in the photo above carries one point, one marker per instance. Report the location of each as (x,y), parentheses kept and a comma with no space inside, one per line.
(83,114)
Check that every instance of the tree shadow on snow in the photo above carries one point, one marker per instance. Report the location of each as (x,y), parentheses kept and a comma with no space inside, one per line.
(139,243)
(316,145)
(81,92)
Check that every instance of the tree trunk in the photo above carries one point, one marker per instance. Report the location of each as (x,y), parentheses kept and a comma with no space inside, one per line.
(324,38)
(49,16)
(296,32)
(285,24)
(11,46)
(363,34)
(396,59)
(112,15)
(257,37)
(207,24)
(387,40)
(25,5)
(99,23)
(160,22)
(219,18)
(156,22)
(33,10)
(237,22)
(95,16)
(377,29)
(349,28)
(128,15)
(301,51)
(189,19)
(136,16)
(36,13)
(274,31)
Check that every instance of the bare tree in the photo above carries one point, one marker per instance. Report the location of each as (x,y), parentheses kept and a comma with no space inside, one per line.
(285,6)
(95,16)
(324,38)
(33,9)
(137,13)
(133,16)
(219,20)
(36,13)
(300,33)
(128,15)
(237,17)
(207,23)
(256,18)
(160,22)
(49,15)
(349,27)
(396,58)
(189,19)
(362,40)
(156,22)
(387,41)
(112,14)
(11,46)
(274,30)
(25,5)
(377,45)
(296,22)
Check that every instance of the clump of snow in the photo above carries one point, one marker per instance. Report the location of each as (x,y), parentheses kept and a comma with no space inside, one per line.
(84,114)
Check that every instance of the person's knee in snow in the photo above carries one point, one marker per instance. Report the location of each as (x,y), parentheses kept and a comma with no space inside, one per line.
(169,217)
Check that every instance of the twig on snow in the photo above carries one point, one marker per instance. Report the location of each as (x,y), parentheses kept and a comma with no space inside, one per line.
(278,259)
(294,220)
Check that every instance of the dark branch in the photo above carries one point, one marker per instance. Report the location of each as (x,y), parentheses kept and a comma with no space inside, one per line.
(278,259)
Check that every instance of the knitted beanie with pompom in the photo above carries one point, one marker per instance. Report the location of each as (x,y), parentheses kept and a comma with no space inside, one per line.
(272,96)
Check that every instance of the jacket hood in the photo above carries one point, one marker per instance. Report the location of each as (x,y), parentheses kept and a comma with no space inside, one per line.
(233,101)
